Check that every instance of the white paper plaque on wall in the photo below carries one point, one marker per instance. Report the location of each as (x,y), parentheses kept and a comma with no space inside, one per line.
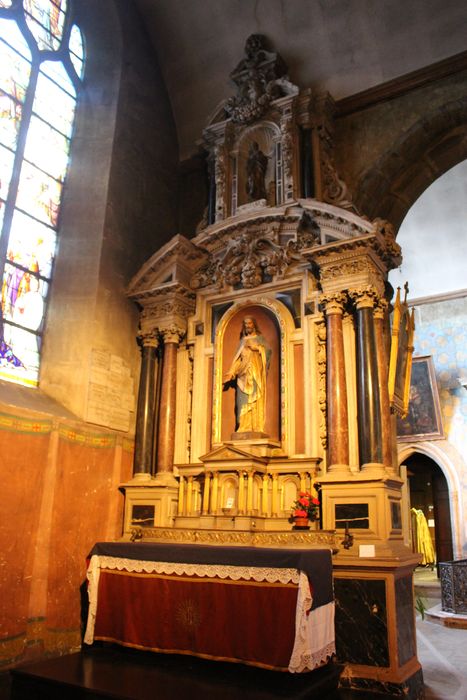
(110,398)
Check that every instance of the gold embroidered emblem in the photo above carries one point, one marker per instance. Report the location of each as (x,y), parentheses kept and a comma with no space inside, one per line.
(188,615)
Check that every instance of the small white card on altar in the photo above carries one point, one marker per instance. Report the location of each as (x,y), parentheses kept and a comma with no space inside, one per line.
(366,550)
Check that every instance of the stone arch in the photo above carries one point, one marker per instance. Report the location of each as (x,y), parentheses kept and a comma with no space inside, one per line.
(435,452)
(433,145)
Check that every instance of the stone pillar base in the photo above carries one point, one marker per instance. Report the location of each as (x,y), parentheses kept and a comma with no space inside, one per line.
(375,626)
(149,504)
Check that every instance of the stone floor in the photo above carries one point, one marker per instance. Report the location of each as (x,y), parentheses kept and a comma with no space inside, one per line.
(442,651)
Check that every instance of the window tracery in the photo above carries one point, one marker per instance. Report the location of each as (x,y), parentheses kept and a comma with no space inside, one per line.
(41,68)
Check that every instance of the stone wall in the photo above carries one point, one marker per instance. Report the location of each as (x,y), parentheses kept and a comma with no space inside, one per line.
(120,202)
(60,495)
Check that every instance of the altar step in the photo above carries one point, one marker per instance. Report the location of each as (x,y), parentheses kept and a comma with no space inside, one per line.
(124,674)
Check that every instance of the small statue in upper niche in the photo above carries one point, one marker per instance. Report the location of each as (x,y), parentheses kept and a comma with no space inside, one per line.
(256,167)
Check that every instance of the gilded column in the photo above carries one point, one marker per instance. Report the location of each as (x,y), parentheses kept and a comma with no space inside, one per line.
(207,484)
(181,495)
(249,494)
(368,394)
(144,438)
(302,481)
(264,495)
(336,386)
(380,320)
(189,497)
(214,492)
(275,495)
(241,493)
(166,434)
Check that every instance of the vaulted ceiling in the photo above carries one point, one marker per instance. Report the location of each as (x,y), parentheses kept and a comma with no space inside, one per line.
(343,46)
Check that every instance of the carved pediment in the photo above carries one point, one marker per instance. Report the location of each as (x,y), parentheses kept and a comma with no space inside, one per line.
(173,264)
(230,453)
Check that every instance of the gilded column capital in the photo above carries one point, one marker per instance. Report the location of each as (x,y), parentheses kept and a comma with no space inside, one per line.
(149,339)
(333,303)
(365,298)
(380,309)
(172,334)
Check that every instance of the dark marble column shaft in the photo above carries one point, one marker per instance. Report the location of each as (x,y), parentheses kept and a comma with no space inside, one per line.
(383,367)
(368,396)
(144,438)
(338,424)
(167,407)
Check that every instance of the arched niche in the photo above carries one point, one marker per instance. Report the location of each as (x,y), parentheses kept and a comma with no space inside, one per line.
(444,461)
(269,328)
(266,135)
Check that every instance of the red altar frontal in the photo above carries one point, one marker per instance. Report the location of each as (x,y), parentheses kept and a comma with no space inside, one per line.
(271,608)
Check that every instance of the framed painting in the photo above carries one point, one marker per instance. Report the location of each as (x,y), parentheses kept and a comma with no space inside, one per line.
(423,419)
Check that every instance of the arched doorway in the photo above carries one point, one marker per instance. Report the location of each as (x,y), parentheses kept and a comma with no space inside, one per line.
(429,493)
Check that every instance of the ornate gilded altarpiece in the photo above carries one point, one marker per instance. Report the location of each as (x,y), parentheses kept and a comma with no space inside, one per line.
(265,345)
(282,245)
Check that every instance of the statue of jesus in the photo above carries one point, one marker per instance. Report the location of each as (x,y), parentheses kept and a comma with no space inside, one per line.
(249,368)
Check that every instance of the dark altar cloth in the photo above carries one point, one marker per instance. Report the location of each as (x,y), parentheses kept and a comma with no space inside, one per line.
(315,563)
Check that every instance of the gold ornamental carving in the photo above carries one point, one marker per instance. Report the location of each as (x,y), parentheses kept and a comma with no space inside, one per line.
(310,538)
(149,339)
(380,309)
(172,333)
(320,336)
(334,303)
(365,298)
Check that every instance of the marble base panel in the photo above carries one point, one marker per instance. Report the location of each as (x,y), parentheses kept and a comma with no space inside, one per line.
(412,688)
(375,627)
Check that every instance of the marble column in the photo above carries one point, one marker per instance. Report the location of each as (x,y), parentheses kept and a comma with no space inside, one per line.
(144,438)
(167,405)
(336,385)
(380,318)
(368,394)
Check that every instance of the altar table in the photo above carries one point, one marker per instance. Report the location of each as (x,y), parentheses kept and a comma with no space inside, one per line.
(272,608)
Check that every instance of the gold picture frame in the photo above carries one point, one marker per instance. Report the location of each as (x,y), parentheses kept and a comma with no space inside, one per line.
(400,362)
(423,420)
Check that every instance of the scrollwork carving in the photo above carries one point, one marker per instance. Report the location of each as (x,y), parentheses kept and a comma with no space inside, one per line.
(248,260)
(220,177)
(287,146)
(257,78)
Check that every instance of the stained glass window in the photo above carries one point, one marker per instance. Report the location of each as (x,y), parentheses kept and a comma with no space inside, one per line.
(41,67)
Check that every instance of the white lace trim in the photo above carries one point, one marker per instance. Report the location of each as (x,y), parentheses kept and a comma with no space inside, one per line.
(314,630)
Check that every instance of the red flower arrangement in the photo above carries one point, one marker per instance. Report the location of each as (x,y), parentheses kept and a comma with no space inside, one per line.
(306,506)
